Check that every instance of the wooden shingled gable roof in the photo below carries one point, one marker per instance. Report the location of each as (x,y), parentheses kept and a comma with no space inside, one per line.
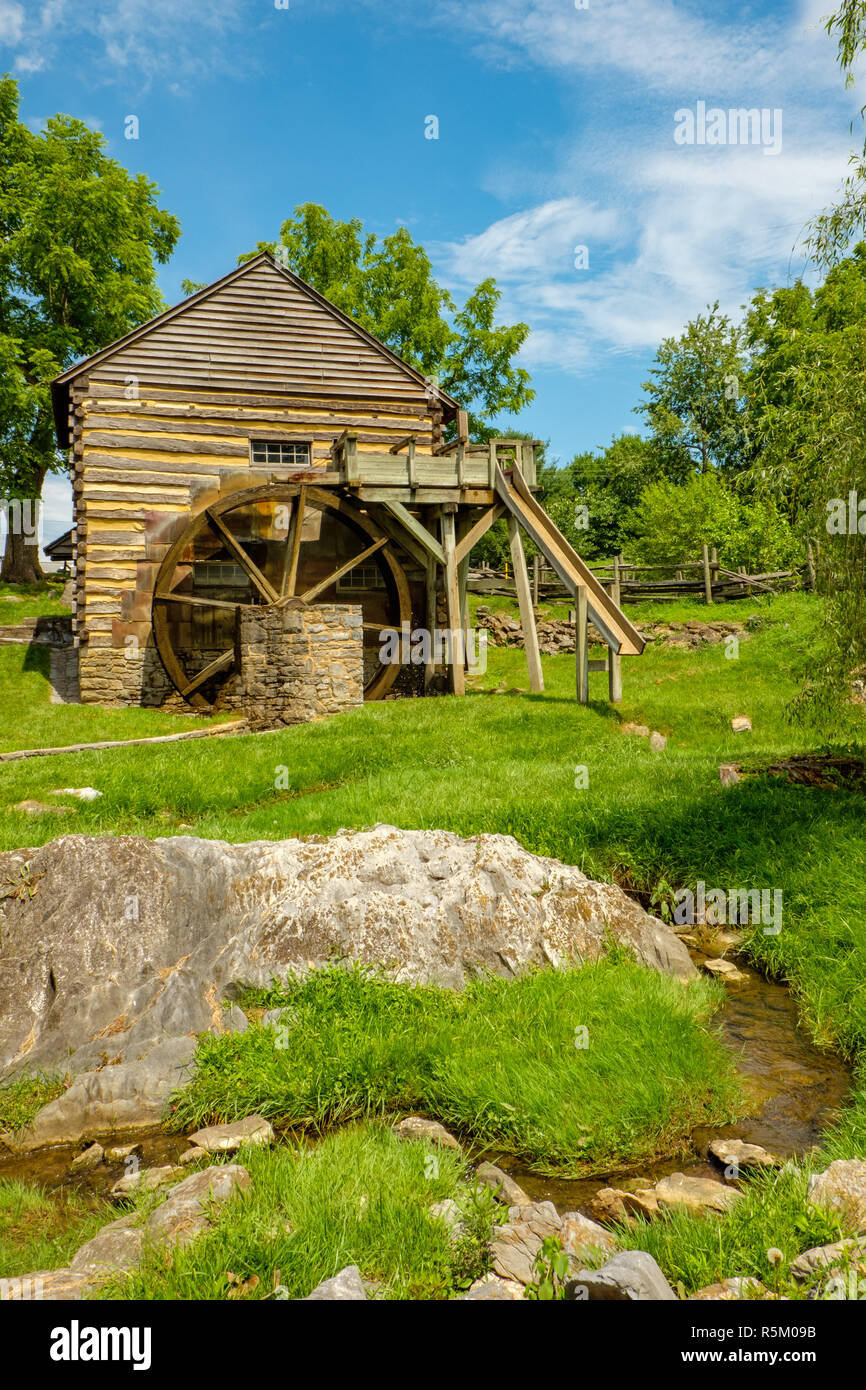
(260,328)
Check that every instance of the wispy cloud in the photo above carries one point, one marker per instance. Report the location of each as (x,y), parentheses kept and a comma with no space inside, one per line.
(129,42)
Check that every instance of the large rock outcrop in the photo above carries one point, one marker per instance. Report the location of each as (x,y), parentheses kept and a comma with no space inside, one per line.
(127,942)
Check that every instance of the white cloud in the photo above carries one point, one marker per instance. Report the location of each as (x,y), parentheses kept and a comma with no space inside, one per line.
(11,21)
(701,225)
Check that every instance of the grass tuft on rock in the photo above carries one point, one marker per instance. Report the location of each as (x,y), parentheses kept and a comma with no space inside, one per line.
(572,1071)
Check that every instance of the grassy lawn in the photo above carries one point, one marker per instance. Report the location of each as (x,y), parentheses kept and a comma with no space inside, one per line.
(502,1063)
(38,724)
(41,1230)
(20,601)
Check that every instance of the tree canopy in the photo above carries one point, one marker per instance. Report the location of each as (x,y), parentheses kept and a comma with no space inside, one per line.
(388,287)
(79,238)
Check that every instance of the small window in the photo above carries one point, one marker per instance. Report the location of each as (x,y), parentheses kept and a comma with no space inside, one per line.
(280,453)
(362,577)
(219,574)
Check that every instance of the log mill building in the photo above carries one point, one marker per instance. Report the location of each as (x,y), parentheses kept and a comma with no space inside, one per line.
(262,490)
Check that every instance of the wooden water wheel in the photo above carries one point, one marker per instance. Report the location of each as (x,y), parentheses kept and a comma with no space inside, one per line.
(288,545)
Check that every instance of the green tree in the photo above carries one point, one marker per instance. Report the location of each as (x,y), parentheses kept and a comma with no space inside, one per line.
(674,520)
(388,287)
(694,406)
(833,230)
(78,240)
(605,489)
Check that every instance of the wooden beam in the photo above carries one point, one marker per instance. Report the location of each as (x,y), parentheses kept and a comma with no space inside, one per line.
(527,612)
(708,580)
(614,661)
(212,669)
(338,573)
(416,530)
(430,618)
(474,534)
(293,548)
(400,536)
(263,585)
(165,596)
(452,604)
(581,644)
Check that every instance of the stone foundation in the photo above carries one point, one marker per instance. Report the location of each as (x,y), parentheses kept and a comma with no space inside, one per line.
(298,664)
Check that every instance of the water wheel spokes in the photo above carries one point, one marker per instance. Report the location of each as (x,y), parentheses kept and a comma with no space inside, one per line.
(282,572)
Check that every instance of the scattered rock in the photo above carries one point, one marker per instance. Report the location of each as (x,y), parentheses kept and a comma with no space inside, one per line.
(80,793)
(612,1204)
(146,1178)
(46,1285)
(345,1286)
(449,1212)
(717,965)
(658,743)
(741,724)
(502,1186)
(842,1188)
(728,774)
(92,1157)
(492,1289)
(737,1154)
(728,1290)
(631,1275)
(580,1236)
(192,1156)
(40,808)
(696,1194)
(227,1139)
(516,1245)
(639,730)
(185,1212)
(119,1153)
(825,1257)
(416,1127)
(117,1246)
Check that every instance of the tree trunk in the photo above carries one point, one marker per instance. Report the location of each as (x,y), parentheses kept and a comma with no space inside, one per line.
(21,557)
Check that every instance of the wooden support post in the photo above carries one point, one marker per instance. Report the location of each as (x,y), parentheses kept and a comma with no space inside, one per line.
(714,567)
(452,601)
(430,619)
(527,614)
(708,582)
(614,662)
(581,645)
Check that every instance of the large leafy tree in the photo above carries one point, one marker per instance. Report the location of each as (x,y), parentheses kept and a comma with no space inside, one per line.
(79,237)
(606,487)
(694,405)
(388,287)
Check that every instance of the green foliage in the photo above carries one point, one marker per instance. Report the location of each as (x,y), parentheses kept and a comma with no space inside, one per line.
(499,1061)
(78,241)
(551,1267)
(42,1230)
(388,287)
(673,521)
(694,406)
(604,490)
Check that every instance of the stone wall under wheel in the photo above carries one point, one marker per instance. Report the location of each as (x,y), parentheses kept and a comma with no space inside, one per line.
(298,664)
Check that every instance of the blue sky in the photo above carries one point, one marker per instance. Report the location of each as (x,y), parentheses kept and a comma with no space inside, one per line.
(556,130)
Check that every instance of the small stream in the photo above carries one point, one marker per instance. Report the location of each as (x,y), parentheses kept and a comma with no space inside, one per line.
(795,1092)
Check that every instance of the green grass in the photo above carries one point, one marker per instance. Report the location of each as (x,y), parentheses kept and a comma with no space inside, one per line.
(20,601)
(21,1100)
(360,1197)
(43,1230)
(499,1062)
(695,1251)
(39,724)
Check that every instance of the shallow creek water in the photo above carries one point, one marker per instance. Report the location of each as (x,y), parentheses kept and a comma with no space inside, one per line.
(795,1092)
